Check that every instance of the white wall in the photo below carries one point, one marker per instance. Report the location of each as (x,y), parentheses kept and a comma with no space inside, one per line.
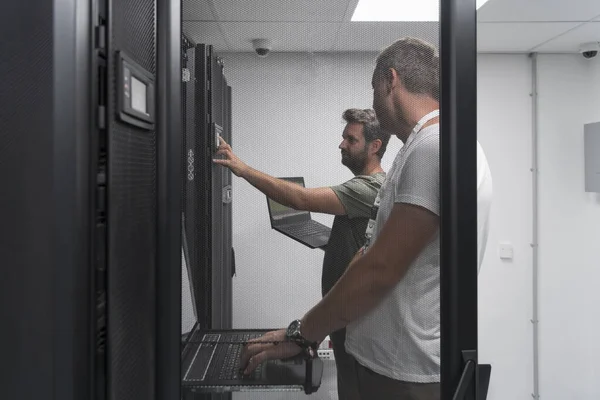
(287,121)
(504,130)
(569,231)
(569,227)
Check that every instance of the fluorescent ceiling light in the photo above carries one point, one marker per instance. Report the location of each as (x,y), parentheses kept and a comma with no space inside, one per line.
(400,10)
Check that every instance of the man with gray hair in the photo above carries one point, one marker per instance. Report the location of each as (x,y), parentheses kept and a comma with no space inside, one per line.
(388,298)
(362,147)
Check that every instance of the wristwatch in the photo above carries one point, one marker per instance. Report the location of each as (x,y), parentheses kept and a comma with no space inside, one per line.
(294,334)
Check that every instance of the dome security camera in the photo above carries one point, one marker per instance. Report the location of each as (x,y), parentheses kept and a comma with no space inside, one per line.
(589,50)
(262,47)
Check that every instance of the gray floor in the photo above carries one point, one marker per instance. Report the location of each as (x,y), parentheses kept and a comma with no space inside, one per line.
(327,391)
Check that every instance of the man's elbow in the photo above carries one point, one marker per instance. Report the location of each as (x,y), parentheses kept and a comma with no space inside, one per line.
(386,274)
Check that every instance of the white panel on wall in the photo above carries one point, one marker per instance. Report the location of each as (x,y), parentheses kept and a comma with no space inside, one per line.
(592,157)
(569,231)
(504,131)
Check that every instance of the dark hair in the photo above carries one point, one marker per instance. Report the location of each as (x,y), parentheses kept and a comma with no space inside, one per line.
(416,63)
(371,129)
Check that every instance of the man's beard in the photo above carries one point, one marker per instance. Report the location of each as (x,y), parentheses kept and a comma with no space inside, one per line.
(356,163)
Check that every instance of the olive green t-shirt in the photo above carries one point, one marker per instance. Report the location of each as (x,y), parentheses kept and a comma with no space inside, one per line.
(348,231)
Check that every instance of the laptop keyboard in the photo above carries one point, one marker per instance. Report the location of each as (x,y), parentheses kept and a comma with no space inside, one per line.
(228,357)
(307,229)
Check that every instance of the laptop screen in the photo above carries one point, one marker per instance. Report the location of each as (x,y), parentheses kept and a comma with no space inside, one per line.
(279,211)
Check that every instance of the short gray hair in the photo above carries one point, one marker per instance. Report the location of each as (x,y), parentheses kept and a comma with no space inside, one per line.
(416,63)
(371,129)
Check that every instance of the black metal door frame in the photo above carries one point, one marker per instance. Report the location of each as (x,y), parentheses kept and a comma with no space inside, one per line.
(458,110)
(458,177)
(169,136)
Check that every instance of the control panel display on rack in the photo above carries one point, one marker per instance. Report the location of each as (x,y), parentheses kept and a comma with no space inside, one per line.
(136,94)
(139,96)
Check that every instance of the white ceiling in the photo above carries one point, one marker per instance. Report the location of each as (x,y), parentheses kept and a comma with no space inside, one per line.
(544,26)
(324,25)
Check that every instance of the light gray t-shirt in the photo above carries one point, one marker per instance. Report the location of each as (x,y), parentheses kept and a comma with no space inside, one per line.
(400,337)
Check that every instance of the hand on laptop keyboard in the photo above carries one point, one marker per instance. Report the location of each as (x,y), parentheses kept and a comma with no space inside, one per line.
(277,347)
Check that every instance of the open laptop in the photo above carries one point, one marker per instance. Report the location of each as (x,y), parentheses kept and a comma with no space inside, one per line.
(297,224)
(210,358)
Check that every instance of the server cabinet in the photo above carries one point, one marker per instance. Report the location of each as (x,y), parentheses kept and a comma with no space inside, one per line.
(79,239)
(45,205)
(131,198)
(196,204)
(207,197)
(46,201)
(219,95)
(207,188)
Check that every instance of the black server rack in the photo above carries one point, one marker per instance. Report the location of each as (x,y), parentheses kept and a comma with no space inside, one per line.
(82,205)
(207,188)
(45,120)
(219,112)
(128,160)
(207,196)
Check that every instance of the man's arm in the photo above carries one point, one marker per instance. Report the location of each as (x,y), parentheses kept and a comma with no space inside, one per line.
(323,200)
(370,278)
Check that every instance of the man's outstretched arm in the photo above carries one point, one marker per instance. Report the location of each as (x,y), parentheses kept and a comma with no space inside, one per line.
(323,200)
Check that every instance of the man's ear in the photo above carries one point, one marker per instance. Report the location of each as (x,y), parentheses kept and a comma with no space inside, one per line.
(375,145)
(393,79)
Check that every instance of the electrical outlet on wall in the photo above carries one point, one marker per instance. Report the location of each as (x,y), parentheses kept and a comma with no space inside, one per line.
(506,251)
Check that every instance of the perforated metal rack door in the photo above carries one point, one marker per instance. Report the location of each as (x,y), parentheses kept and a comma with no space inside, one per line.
(220,178)
(26,173)
(206,207)
(196,193)
(44,202)
(132,219)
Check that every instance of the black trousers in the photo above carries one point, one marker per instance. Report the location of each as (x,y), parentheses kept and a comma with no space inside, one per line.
(357,382)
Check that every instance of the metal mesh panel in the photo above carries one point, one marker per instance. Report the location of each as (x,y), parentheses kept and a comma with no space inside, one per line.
(132,217)
(134,30)
(26,202)
(207,253)
(206,217)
